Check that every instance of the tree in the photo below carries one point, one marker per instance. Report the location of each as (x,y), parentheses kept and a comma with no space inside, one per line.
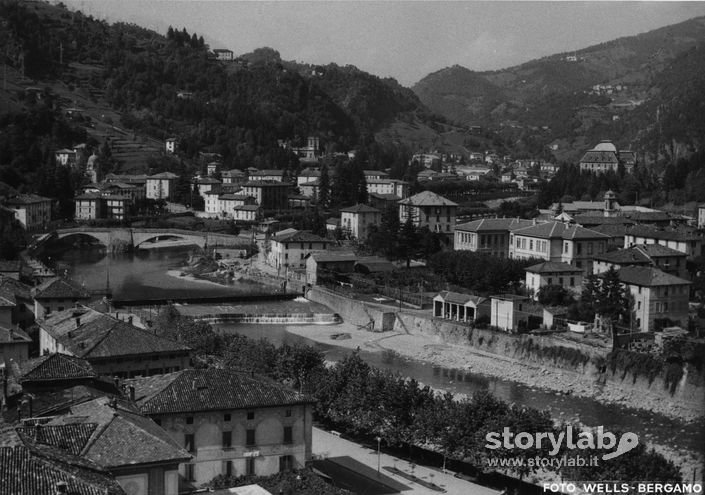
(555,295)
(408,241)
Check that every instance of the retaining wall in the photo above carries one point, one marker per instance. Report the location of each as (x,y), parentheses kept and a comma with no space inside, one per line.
(353,311)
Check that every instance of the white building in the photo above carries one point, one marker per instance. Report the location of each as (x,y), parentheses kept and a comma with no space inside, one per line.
(231,423)
(289,248)
(357,220)
(428,209)
(161,186)
(30,210)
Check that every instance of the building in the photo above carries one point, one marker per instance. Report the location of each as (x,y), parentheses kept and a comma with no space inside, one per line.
(689,243)
(375,175)
(232,423)
(89,206)
(171,145)
(329,262)
(31,210)
(289,248)
(388,186)
(510,312)
(55,370)
(311,189)
(556,241)
(270,195)
(308,175)
(223,54)
(660,299)
(234,176)
(65,157)
(487,235)
(117,207)
(428,209)
(246,213)
(311,151)
(206,185)
(143,458)
(161,186)
(112,346)
(11,269)
(56,294)
(606,158)
(475,174)
(553,273)
(267,175)
(14,345)
(18,308)
(457,306)
(357,220)
(654,255)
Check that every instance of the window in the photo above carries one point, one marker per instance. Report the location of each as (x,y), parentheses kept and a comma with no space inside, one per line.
(189,420)
(665,291)
(250,438)
(226,417)
(589,248)
(250,415)
(288,435)
(190,442)
(638,305)
(531,245)
(250,466)
(227,439)
(560,281)
(565,247)
(572,281)
(665,306)
(228,468)
(550,280)
(287,413)
(286,463)
(189,472)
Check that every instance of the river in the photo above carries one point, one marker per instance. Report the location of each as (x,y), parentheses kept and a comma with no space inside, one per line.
(144,275)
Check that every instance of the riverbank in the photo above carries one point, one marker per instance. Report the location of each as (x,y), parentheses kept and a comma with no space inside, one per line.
(434,352)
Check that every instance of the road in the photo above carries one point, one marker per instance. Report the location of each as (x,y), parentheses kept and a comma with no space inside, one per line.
(354,462)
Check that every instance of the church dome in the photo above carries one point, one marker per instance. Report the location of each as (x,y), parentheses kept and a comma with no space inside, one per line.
(605,146)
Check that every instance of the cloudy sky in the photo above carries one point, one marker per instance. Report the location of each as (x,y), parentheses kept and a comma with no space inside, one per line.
(402,39)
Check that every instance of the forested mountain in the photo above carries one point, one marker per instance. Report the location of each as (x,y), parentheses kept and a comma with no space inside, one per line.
(572,100)
(163,86)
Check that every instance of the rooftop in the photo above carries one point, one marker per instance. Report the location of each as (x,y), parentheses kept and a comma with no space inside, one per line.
(359,208)
(654,233)
(562,230)
(59,288)
(427,198)
(646,276)
(13,336)
(163,175)
(494,224)
(210,389)
(26,199)
(89,334)
(553,267)
(298,236)
(56,366)
(461,298)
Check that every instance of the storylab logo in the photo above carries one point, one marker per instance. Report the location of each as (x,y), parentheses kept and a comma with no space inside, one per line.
(569,439)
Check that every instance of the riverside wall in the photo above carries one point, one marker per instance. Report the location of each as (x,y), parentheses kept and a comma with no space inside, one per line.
(587,369)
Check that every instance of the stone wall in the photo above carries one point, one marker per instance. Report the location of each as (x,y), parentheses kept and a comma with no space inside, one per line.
(353,311)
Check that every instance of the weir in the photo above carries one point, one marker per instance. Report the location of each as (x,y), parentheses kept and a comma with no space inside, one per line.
(274,318)
(234,298)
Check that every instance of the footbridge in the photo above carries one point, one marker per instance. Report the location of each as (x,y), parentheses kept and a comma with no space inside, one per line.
(130,238)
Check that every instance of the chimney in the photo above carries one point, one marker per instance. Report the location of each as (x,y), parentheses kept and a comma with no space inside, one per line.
(132,393)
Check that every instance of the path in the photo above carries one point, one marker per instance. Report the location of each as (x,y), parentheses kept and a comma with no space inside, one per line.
(328,445)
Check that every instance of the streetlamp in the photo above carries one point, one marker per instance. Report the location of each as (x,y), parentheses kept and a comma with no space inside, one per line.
(379,442)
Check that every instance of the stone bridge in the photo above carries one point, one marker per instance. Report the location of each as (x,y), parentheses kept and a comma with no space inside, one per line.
(128,238)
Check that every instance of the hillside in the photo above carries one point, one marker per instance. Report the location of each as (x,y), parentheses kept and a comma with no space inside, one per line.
(558,99)
(135,87)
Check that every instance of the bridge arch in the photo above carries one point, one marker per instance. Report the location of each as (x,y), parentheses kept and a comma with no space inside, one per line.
(102,237)
(142,238)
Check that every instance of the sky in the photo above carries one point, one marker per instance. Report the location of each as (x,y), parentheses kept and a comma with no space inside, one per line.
(403,39)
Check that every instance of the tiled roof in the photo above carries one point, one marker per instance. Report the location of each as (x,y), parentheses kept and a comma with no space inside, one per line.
(647,276)
(123,436)
(267,172)
(56,366)
(210,389)
(98,335)
(233,173)
(207,180)
(427,198)
(246,207)
(461,298)
(334,256)
(494,224)
(71,437)
(553,267)
(13,335)
(163,175)
(589,220)
(360,208)
(10,265)
(624,256)
(266,183)
(26,470)
(58,288)
(386,197)
(26,199)
(552,230)
(593,156)
(670,235)
(611,230)
(658,251)
(299,236)
(89,195)
(375,172)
